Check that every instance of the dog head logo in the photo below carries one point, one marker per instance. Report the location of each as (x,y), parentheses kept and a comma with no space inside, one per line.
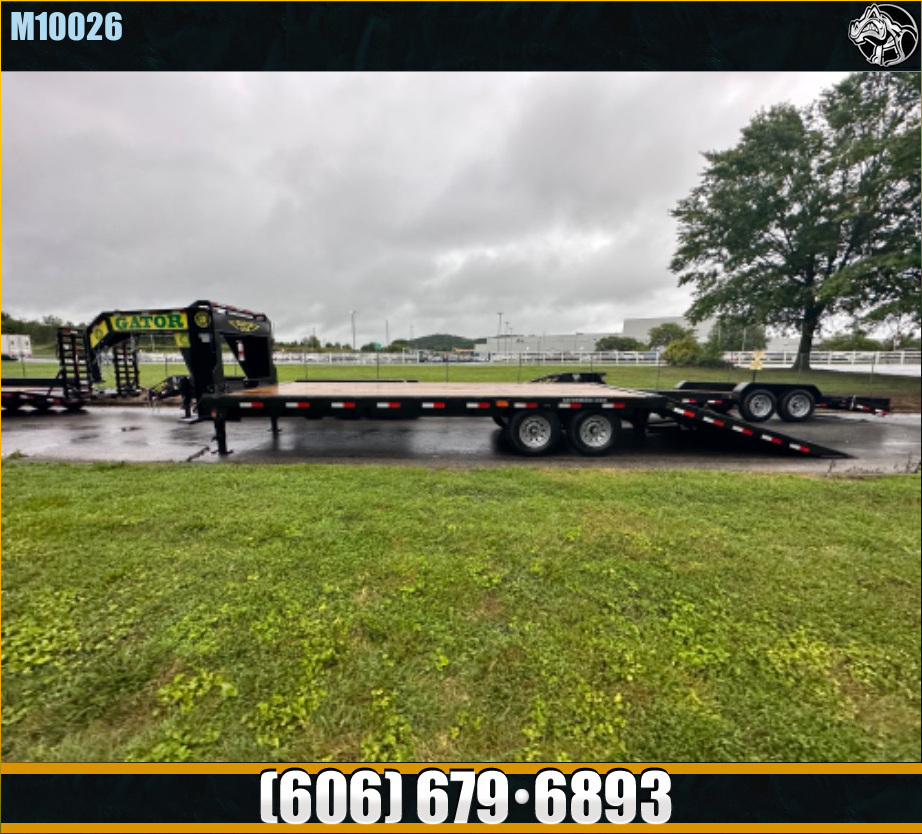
(885,34)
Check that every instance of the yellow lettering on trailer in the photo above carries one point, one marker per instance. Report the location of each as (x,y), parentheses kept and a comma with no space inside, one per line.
(150,322)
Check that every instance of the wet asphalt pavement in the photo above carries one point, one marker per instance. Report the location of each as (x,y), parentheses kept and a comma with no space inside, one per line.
(875,444)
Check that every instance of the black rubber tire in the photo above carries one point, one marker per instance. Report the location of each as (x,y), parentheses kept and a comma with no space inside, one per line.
(796,406)
(593,433)
(534,433)
(758,405)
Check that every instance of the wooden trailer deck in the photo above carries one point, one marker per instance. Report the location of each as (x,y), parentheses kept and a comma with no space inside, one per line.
(541,391)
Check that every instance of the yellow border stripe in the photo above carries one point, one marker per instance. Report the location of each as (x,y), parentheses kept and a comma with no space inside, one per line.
(116,768)
(240,828)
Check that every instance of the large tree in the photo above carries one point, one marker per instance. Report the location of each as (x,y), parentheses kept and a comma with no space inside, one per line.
(815,212)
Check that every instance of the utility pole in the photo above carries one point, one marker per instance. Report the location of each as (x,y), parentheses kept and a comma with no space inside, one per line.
(352,314)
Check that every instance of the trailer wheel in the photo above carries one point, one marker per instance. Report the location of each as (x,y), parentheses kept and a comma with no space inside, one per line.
(757,405)
(593,432)
(534,432)
(796,406)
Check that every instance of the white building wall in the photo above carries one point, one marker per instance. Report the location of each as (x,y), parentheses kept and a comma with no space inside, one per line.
(582,342)
(541,343)
(640,328)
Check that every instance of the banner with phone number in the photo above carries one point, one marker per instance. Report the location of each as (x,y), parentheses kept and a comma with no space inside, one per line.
(571,797)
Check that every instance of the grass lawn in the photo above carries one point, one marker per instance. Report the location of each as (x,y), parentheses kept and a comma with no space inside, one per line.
(304,613)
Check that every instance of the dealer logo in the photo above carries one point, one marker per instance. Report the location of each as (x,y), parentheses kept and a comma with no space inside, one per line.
(885,34)
(243,326)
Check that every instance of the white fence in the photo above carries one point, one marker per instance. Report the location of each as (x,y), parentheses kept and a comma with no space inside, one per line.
(844,359)
(835,358)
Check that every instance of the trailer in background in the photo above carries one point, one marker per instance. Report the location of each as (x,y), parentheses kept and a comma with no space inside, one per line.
(70,389)
(757,401)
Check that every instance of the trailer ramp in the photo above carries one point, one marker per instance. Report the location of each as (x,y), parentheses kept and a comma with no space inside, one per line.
(693,416)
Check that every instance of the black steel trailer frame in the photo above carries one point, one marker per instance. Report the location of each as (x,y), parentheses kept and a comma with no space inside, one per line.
(39,393)
(534,416)
(70,389)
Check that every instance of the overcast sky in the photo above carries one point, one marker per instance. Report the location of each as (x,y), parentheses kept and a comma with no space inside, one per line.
(428,201)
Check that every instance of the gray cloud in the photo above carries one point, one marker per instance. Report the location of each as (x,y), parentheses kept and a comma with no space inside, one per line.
(432,201)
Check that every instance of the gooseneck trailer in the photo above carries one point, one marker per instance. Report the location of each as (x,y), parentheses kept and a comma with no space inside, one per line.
(535,416)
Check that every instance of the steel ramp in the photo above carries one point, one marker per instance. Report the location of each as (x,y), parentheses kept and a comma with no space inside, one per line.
(701,418)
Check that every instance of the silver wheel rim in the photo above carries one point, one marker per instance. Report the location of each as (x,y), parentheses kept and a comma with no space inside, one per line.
(798,405)
(535,432)
(595,432)
(760,405)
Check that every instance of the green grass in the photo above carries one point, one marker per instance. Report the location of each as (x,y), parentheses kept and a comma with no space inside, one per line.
(367,613)
(626,376)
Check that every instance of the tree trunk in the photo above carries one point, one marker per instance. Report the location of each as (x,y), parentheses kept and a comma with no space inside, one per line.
(807,330)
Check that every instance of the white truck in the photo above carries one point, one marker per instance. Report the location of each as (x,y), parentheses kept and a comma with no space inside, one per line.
(16,346)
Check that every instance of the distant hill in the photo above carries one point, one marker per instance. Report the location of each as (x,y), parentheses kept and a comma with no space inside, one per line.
(442,341)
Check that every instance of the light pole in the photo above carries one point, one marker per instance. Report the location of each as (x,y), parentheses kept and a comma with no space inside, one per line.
(352,314)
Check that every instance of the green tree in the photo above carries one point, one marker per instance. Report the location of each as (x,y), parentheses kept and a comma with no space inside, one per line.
(730,333)
(816,211)
(618,343)
(684,351)
(858,340)
(399,345)
(666,334)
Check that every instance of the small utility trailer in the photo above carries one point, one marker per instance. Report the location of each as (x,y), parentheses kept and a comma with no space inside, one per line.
(535,416)
(40,394)
(756,401)
(70,389)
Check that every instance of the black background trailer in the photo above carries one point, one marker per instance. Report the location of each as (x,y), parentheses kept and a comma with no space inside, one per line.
(756,401)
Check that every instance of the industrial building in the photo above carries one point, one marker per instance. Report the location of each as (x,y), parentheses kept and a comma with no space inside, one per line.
(581,342)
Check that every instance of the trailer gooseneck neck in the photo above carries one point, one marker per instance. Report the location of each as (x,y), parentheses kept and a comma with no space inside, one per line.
(199,332)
